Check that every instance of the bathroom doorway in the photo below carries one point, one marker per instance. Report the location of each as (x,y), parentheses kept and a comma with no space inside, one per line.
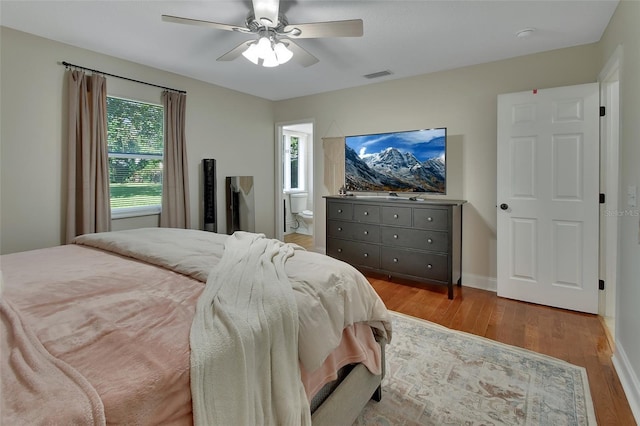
(294,183)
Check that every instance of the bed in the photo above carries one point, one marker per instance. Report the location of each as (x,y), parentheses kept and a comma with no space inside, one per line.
(168,326)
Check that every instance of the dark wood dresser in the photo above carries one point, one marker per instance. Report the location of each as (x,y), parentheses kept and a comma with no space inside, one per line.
(418,240)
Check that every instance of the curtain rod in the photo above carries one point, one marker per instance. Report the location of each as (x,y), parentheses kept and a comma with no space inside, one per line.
(67,64)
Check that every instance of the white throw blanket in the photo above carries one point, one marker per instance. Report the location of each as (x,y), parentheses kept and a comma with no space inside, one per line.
(244,339)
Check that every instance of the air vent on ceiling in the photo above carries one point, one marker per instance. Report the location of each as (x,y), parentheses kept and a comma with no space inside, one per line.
(378,74)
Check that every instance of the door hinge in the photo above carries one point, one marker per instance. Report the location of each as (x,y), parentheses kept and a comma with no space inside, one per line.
(601,198)
(603,111)
(601,284)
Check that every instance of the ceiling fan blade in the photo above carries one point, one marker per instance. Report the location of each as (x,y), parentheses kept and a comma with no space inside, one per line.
(189,21)
(349,28)
(266,12)
(300,55)
(236,51)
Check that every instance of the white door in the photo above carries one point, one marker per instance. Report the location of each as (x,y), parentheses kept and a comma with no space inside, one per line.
(547,205)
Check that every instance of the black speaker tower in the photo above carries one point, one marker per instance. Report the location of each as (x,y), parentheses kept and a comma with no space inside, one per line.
(209,194)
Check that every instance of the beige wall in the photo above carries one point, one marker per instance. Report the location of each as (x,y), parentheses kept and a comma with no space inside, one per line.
(624,31)
(234,128)
(465,101)
(237,130)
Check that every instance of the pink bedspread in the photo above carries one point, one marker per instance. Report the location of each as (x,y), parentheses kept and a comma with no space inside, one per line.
(126,332)
(30,375)
(124,326)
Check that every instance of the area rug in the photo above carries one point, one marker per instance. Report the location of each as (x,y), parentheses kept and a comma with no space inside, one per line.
(438,376)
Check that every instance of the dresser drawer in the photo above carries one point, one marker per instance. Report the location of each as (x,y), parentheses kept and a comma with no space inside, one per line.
(429,266)
(399,216)
(415,238)
(354,253)
(354,231)
(338,210)
(431,219)
(366,213)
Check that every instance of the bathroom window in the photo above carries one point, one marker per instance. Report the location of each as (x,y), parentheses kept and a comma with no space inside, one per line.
(294,164)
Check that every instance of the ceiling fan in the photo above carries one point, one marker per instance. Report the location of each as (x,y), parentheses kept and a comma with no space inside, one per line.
(274,45)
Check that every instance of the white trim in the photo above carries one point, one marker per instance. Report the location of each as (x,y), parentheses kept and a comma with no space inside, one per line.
(125,212)
(628,379)
(480,282)
(279,178)
(123,98)
(279,194)
(613,64)
(135,156)
(609,79)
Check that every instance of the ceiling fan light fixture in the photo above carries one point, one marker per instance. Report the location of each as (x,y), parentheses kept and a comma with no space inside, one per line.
(269,24)
(282,52)
(271,60)
(268,52)
(263,47)
(252,53)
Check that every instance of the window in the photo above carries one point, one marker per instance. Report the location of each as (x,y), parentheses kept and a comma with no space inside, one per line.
(294,160)
(135,136)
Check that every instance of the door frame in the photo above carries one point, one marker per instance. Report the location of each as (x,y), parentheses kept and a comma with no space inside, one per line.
(279,178)
(609,79)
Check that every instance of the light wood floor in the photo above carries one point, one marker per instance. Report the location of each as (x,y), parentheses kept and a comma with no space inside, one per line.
(574,337)
(305,241)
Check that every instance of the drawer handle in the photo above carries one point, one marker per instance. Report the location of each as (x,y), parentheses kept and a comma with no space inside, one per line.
(366,213)
(429,266)
(339,228)
(339,250)
(366,255)
(339,210)
(366,232)
(429,240)
(395,236)
(429,219)
(395,260)
(395,216)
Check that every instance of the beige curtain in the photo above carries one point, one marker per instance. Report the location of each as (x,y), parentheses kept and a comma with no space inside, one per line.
(175,176)
(333,163)
(88,206)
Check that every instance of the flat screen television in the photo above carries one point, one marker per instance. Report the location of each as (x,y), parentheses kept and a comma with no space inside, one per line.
(407,161)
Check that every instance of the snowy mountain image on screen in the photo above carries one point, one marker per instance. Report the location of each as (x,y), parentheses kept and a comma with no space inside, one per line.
(394,171)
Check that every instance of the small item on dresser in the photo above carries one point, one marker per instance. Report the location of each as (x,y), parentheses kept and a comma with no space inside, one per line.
(342,190)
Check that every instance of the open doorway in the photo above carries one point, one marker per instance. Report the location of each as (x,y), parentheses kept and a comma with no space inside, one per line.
(294,183)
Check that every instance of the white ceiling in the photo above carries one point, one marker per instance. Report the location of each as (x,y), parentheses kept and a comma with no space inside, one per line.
(405,37)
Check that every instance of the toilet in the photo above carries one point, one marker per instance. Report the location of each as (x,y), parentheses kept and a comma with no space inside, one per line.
(301,213)
(307,216)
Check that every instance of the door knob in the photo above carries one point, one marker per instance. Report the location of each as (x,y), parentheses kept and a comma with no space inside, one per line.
(504,206)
